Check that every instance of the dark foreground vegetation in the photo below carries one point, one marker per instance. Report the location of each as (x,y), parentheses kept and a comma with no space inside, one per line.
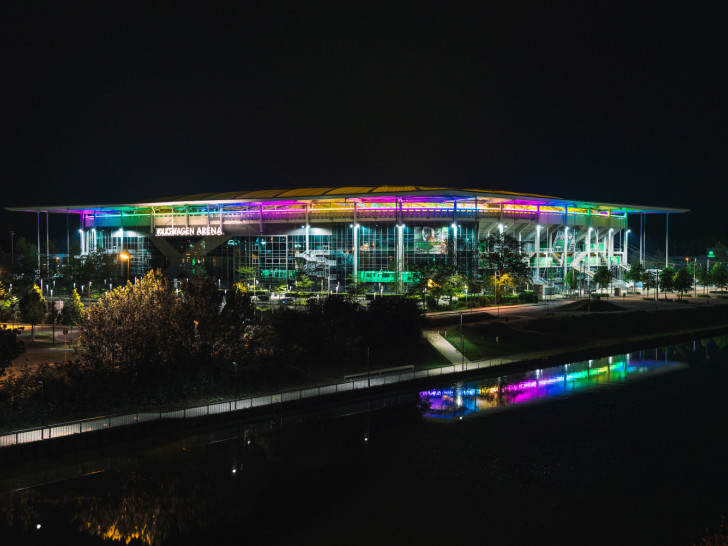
(148,346)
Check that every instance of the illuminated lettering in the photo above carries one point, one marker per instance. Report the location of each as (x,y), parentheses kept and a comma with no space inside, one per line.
(188,231)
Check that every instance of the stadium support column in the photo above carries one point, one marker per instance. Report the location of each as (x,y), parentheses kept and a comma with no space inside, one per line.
(400,247)
(48,245)
(588,239)
(566,241)
(355,250)
(121,229)
(667,233)
(307,229)
(68,237)
(643,246)
(538,250)
(38,212)
(455,233)
(261,218)
(476,242)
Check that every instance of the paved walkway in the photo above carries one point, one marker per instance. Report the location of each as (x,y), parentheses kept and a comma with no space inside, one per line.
(447,350)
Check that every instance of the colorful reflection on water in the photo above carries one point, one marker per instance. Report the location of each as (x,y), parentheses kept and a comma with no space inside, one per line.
(469,398)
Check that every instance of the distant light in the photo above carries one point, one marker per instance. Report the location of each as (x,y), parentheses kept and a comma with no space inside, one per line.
(629,231)
(37,525)
(454,225)
(235,470)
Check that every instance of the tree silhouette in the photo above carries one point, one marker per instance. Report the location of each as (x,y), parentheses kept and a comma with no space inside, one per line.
(72,310)
(33,308)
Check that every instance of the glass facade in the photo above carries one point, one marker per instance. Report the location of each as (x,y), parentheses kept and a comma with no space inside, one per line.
(374,239)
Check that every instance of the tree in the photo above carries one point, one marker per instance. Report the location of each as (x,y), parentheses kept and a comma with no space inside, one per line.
(304,283)
(635,274)
(33,308)
(437,280)
(146,325)
(704,277)
(603,276)
(683,282)
(719,276)
(134,326)
(10,348)
(572,280)
(667,280)
(217,324)
(648,281)
(247,274)
(720,251)
(72,310)
(99,267)
(501,254)
(354,288)
(499,283)
(454,284)
(26,259)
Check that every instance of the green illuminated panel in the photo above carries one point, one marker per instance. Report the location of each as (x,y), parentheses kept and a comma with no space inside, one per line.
(386,276)
(276,274)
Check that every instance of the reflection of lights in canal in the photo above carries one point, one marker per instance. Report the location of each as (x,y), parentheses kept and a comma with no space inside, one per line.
(538,384)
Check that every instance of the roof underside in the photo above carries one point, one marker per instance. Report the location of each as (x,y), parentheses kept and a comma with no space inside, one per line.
(363,194)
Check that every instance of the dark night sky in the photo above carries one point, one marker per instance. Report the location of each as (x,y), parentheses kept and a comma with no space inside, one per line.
(117,101)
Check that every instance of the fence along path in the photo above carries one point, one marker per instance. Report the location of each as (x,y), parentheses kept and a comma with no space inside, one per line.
(102,423)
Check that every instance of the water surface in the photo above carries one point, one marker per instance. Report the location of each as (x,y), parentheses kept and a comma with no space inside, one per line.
(628,451)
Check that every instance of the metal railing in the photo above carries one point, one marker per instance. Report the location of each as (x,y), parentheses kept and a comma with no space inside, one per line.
(106,422)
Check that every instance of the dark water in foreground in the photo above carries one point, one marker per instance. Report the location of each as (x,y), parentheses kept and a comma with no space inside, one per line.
(623,452)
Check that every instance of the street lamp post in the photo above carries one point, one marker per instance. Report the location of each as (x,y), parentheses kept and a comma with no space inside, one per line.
(53,319)
(235,391)
(42,414)
(695,284)
(125,256)
(497,289)
(462,344)
(369,377)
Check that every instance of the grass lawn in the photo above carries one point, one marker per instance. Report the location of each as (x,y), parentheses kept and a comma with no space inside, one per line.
(484,341)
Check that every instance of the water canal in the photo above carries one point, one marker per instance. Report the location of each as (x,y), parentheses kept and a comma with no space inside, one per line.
(627,449)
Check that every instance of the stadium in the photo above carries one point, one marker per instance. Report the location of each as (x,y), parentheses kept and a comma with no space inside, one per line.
(371,234)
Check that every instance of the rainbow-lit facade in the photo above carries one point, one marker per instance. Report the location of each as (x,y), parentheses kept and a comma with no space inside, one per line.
(372,234)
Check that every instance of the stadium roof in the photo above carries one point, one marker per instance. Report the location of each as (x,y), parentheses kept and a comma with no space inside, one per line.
(354,194)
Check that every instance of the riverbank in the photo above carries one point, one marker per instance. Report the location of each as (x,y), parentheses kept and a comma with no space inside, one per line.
(573,332)
(271,406)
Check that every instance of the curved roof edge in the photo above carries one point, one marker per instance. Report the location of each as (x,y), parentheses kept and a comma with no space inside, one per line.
(363,193)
